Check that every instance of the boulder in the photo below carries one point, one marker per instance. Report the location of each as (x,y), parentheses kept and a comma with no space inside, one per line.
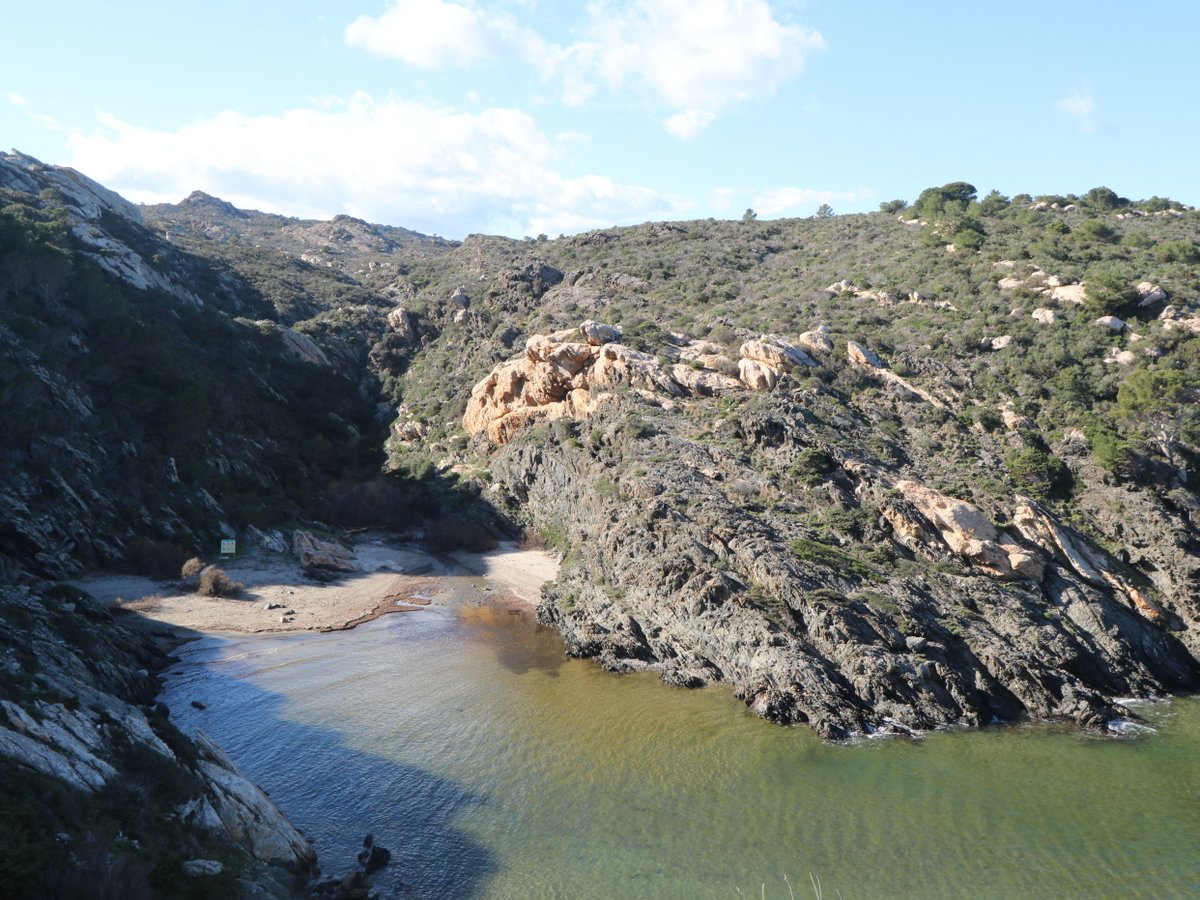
(1111,323)
(702,383)
(995,343)
(618,365)
(1014,421)
(861,356)
(756,375)
(816,341)
(971,534)
(776,353)
(400,320)
(459,298)
(1043,316)
(1150,294)
(199,868)
(597,333)
(1069,293)
(317,556)
(409,431)
(303,347)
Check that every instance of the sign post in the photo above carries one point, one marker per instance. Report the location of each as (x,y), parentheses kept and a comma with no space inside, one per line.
(228,548)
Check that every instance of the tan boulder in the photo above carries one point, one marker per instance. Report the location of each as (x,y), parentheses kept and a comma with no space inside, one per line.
(1039,527)
(776,353)
(618,365)
(816,341)
(861,356)
(1014,421)
(1043,315)
(1069,293)
(1150,294)
(703,383)
(756,375)
(968,531)
(597,333)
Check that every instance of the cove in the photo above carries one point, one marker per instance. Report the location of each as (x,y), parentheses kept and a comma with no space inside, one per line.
(492,766)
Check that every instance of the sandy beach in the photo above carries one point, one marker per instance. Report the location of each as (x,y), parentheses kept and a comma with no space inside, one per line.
(277,598)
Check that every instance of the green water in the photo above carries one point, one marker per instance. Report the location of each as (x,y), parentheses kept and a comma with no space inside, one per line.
(491,766)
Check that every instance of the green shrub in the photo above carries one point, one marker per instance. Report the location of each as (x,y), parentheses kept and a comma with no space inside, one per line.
(1037,471)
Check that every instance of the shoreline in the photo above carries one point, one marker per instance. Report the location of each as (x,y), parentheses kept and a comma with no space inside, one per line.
(389,577)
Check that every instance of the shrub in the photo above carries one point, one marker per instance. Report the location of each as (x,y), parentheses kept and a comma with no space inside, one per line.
(1038,472)
(215,582)
(192,568)
(157,559)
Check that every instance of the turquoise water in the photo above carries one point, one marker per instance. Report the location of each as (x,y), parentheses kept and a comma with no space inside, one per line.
(491,766)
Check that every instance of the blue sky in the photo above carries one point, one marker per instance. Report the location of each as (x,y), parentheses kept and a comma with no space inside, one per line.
(522,117)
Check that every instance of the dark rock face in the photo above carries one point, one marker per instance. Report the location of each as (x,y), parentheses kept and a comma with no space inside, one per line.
(665,572)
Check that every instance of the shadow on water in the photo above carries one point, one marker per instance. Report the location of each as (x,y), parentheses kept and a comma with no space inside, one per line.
(335,793)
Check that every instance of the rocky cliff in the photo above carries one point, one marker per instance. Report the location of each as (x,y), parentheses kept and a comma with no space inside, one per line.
(758,541)
(102,796)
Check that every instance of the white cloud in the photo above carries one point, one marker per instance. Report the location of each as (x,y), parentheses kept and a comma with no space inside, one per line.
(686,125)
(697,56)
(428,34)
(803,201)
(44,121)
(16,99)
(393,161)
(1080,106)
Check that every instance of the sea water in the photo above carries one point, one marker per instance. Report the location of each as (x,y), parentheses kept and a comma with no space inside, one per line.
(492,766)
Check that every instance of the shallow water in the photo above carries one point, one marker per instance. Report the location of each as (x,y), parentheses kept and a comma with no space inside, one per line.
(492,766)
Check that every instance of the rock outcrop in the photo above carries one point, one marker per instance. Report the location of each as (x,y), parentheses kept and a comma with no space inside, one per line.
(247,815)
(559,377)
(962,526)
(87,723)
(321,559)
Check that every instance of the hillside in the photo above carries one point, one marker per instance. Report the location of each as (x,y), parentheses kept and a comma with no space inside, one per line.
(928,466)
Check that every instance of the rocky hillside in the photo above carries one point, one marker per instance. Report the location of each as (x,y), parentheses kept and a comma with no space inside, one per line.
(101,796)
(932,465)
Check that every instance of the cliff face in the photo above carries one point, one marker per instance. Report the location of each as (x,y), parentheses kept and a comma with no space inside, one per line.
(854,600)
(145,397)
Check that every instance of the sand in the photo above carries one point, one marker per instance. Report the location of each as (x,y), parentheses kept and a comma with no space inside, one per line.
(391,578)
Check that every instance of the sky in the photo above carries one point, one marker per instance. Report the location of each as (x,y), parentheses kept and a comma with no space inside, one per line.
(527,117)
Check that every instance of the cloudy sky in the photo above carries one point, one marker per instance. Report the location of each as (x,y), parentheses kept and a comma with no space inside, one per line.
(522,117)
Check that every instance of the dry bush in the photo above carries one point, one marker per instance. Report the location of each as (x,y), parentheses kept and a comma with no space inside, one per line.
(215,582)
(156,559)
(453,532)
(533,540)
(192,568)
